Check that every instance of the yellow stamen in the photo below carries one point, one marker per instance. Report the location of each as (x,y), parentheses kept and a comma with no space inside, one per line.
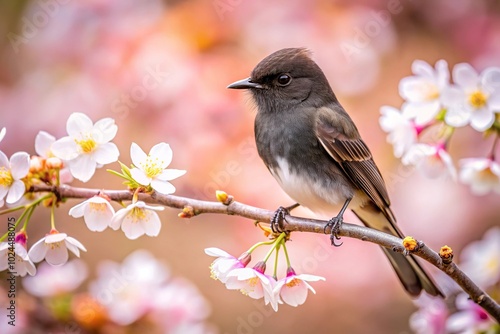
(97,206)
(293,282)
(152,166)
(6,178)
(87,145)
(477,99)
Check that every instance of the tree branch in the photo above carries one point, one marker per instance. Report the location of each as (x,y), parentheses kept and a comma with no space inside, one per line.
(192,207)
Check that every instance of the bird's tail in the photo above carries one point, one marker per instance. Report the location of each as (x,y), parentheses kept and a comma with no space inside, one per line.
(410,273)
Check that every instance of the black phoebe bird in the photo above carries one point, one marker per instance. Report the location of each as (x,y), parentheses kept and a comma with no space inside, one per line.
(314,150)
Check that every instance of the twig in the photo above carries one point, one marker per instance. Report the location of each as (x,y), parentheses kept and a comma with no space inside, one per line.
(291,224)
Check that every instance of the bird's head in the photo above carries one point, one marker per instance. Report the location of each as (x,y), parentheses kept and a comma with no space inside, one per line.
(285,79)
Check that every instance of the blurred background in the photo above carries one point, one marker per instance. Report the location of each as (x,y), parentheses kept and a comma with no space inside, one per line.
(160,69)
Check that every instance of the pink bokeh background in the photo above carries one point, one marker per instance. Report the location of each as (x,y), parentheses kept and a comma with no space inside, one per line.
(98,57)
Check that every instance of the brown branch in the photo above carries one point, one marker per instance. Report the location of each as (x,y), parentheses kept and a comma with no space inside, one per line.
(291,224)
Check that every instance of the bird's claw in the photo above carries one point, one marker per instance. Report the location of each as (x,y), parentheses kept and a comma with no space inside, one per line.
(277,220)
(334,225)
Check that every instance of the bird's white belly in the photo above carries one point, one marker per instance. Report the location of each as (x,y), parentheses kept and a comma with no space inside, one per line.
(306,191)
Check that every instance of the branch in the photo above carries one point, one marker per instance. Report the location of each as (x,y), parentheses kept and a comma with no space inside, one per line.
(192,207)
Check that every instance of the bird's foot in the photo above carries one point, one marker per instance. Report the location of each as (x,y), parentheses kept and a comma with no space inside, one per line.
(279,217)
(334,224)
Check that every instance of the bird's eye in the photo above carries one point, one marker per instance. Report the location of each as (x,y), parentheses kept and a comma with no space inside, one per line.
(284,80)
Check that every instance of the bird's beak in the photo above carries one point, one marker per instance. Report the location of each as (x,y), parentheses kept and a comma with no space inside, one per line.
(245,84)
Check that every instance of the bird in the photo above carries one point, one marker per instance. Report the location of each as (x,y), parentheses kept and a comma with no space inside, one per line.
(315,152)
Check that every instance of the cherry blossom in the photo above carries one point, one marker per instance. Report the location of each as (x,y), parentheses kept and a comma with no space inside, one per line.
(54,248)
(87,145)
(151,169)
(11,173)
(96,211)
(138,219)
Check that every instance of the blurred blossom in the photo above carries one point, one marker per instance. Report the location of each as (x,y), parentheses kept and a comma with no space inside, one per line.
(470,318)
(433,160)
(96,211)
(473,99)
(54,280)
(137,219)
(402,132)
(54,248)
(482,174)
(2,133)
(423,91)
(140,286)
(224,263)
(480,260)
(88,145)
(293,288)
(22,265)
(431,316)
(127,290)
(151,169)
(178,307)
(11,173)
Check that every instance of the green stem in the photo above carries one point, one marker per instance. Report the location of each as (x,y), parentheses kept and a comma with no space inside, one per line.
(262,243)
(276,243)
(275,273)
(26,215)
(288,264)
(52,219)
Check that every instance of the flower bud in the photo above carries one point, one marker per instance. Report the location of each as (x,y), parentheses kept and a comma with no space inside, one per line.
(54,163)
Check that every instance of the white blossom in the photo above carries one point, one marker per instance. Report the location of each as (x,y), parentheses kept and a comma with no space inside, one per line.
(11,173)
(138,219)
(87,145)
(96,211)
(482,174)
(151,169)
(432,160)
(474,99)
(423,90)
(54,248)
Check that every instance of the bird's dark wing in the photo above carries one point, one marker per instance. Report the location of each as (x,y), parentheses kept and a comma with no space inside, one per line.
(346,147)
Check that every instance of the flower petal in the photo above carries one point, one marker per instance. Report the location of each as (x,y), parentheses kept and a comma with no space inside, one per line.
(57,255)
(65,148)
(458,116)
(16,191)
(163,187)
(170,174)
(163,152)
(137,155)
(20,165)
(152,224)
(482,119)
(38,251)
(131,228)
(106,153)
(4,161)
(43,143)
(76,243)
(465,76)
(78,123)
(83,167)
(78,210)
(217,252)
(140,177)
(105,129)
